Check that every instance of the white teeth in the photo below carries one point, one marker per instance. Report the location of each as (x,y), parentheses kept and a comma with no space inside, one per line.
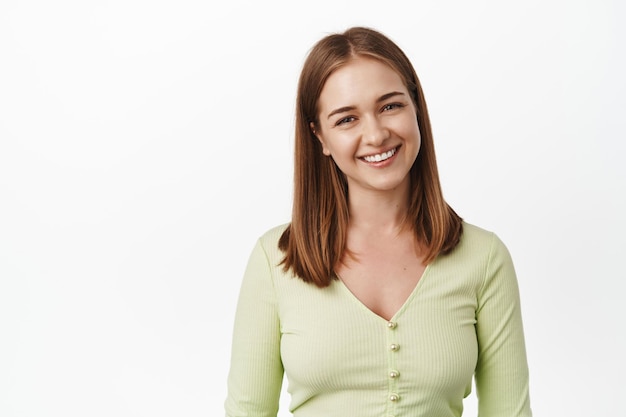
(380,156)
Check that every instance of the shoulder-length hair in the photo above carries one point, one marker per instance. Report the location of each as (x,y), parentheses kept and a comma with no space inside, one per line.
(314,243)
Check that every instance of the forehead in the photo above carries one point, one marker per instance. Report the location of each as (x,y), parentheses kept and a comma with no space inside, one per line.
(360,80)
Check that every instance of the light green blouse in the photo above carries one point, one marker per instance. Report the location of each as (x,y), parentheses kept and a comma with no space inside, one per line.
(462,320)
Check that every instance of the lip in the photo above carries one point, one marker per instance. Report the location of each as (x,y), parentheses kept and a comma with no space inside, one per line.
(383,163)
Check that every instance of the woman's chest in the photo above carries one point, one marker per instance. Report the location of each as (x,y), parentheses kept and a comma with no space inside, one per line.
(331,340)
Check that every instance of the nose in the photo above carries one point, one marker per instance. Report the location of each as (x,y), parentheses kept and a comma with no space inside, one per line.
(374,132)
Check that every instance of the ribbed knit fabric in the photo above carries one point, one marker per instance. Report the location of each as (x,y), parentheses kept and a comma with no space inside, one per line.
(462,320)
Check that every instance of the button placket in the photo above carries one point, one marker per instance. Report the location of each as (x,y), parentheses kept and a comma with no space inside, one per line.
(392,373)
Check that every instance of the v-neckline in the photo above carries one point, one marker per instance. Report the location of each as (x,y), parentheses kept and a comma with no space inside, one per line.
(404,305)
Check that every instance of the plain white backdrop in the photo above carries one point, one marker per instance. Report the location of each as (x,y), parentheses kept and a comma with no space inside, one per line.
(145,145)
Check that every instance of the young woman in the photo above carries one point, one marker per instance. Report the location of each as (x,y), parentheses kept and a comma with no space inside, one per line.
(377,299)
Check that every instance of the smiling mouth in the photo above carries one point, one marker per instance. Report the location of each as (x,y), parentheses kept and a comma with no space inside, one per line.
(381,156)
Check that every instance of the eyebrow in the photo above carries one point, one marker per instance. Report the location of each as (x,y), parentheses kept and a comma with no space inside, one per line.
(350,108)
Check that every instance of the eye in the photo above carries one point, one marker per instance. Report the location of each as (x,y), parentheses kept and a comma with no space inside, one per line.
(345,120)
(392,106)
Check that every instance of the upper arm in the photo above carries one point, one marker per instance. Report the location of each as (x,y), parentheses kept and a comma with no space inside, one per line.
(502,369)
(256,371)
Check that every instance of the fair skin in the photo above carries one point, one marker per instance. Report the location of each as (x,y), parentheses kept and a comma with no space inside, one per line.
(368,125)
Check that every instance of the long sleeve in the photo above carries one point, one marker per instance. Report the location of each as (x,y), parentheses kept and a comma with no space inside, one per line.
(461,321)
(502,369)
(256,370)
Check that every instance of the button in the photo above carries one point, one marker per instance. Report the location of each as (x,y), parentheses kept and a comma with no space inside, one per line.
(394,347)
(392,325)
(394,397)
(394,374)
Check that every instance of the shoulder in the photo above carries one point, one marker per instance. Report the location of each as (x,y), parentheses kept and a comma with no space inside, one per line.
(477,245)
(269,239)
(267,242)
(481,257)
(484,246)
(476,238)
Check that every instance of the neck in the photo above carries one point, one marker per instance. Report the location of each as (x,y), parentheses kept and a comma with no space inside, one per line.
(379,212)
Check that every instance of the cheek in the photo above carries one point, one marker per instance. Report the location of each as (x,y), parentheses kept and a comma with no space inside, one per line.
(416,130)
(418,142)
(408,128)
(413,135)
(341,145)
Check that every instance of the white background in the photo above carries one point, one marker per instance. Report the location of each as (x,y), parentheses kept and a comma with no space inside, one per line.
(145,145)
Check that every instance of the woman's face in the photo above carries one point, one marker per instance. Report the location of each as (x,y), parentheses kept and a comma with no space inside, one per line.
(368,125)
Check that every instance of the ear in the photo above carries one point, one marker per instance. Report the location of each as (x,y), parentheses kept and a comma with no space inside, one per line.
(319,137)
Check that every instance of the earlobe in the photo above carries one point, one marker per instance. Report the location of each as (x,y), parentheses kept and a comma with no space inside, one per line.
(325,150)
